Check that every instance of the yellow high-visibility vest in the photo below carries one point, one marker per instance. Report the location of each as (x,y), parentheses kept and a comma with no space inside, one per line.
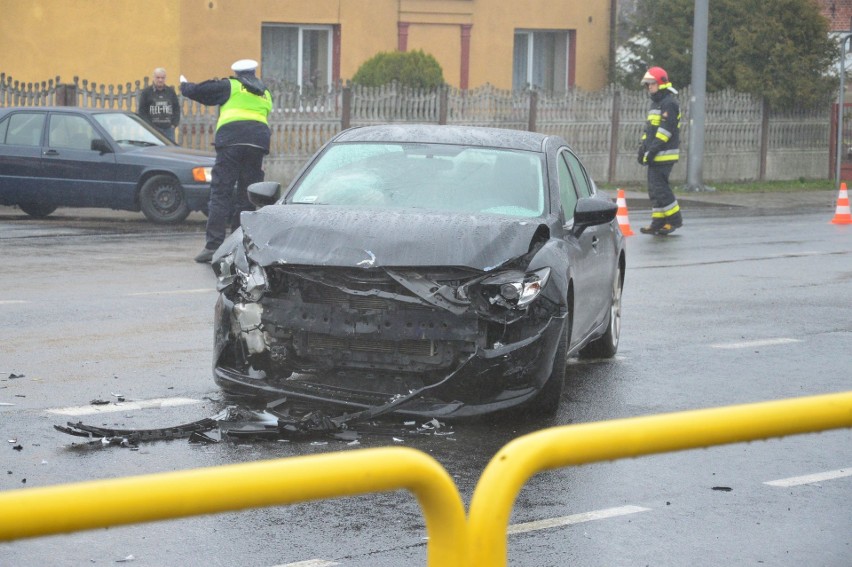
(244,105)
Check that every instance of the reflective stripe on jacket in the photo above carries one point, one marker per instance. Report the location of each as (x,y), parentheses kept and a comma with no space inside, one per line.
(244,105)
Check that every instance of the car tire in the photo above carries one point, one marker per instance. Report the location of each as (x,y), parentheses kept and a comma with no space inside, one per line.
(37,210)
(607,344)
(546,402)
(162,200)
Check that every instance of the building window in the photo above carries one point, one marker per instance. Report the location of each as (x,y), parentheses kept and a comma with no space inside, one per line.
(300,55)
(541,60)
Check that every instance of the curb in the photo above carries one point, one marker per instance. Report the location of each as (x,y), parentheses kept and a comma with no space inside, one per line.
(794,201)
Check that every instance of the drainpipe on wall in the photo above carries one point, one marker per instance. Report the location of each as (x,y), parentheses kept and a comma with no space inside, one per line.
(402,36)
(613,39)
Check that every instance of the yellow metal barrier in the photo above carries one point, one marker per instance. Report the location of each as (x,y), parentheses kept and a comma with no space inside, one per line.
(556,447)
(97,504)
(481,541)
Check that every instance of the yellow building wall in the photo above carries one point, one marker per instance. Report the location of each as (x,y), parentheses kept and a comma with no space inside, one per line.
(443,42)
(119,41)
(215,33)
(493,35)
(367,28)
(112,42)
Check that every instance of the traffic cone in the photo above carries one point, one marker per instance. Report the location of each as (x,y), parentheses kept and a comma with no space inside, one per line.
(621,215)
(842,215)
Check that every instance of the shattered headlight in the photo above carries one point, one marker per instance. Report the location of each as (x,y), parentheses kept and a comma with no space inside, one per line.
(250,278)
(514,289)
(254,283)
(225,271)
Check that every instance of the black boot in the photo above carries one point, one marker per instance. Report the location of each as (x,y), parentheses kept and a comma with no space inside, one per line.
(671,224)
(654,227)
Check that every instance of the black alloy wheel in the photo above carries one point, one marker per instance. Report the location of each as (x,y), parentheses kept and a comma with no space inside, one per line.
(162,200)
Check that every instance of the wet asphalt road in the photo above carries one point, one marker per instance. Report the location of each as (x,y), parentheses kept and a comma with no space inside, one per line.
(735,308)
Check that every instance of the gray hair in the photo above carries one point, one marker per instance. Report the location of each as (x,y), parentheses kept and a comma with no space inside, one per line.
(159,70)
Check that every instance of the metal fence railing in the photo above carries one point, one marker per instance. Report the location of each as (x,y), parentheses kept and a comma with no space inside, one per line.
(744,141)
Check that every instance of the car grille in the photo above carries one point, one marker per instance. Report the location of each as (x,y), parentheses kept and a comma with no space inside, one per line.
(325,295)
(328,326)
(317,342)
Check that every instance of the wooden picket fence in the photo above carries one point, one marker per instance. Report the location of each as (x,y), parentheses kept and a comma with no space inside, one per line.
(743,140)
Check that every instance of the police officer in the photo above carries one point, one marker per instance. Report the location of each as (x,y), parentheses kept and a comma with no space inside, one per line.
(242,139)
(659,151)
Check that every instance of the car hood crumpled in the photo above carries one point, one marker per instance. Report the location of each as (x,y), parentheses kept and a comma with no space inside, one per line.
(324,235)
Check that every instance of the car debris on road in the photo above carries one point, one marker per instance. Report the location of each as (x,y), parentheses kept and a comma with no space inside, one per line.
(276,421)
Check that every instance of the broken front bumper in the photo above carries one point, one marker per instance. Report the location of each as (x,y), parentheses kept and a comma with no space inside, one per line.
(489,380)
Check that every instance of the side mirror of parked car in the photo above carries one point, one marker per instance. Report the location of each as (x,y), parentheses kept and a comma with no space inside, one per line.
(264,193)
(100,145)
(591,211)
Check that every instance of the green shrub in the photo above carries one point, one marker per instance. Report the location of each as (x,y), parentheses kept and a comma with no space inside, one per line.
(409,68)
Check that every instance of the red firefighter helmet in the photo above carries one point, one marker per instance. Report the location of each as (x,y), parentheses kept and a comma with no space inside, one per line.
(656,75)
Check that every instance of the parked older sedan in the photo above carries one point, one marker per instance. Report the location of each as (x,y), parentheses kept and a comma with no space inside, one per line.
(427,270)
(71,157)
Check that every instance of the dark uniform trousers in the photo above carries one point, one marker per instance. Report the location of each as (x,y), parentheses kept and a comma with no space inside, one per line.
(235,169)
(659,189)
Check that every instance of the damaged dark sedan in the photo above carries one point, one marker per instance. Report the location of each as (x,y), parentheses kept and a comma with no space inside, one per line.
(430,271)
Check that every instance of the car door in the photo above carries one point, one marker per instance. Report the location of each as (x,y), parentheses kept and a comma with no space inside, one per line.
(600,253)
(21,136)
(580,252)
(76,174)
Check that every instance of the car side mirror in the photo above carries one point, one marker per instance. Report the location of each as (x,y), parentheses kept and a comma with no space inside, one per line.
(591,211)
(264,193)
(100,145)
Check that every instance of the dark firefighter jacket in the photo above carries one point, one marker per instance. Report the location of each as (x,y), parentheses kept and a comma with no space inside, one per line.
(661,138)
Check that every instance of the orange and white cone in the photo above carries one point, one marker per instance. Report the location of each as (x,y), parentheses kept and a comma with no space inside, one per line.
(842,214)
(621,215)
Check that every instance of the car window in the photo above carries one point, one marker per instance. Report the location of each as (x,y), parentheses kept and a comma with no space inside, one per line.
(24,129)
(584,187)
(70,131)
(426,176)
(567,191)
(129,130)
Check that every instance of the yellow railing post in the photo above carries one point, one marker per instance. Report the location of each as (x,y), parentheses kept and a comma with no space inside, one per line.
(513,465)
(96,504)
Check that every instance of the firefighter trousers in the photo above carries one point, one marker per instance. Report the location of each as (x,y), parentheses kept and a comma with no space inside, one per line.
(664,205)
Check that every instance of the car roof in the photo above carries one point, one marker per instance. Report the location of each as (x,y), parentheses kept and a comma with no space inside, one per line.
(75,109)
(439,134)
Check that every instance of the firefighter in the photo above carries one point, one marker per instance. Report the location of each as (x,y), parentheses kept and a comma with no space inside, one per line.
(242,139)
(659,151)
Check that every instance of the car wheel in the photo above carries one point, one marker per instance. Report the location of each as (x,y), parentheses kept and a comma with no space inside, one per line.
(37,210)
(607,345)
(161,199)
(546,402)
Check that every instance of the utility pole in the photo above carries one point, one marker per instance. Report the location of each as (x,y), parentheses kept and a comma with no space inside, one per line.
(695,159)
(841,99)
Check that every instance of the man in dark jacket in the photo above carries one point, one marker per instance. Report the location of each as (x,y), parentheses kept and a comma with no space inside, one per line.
(659,151)
(159,106)
(242,139)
